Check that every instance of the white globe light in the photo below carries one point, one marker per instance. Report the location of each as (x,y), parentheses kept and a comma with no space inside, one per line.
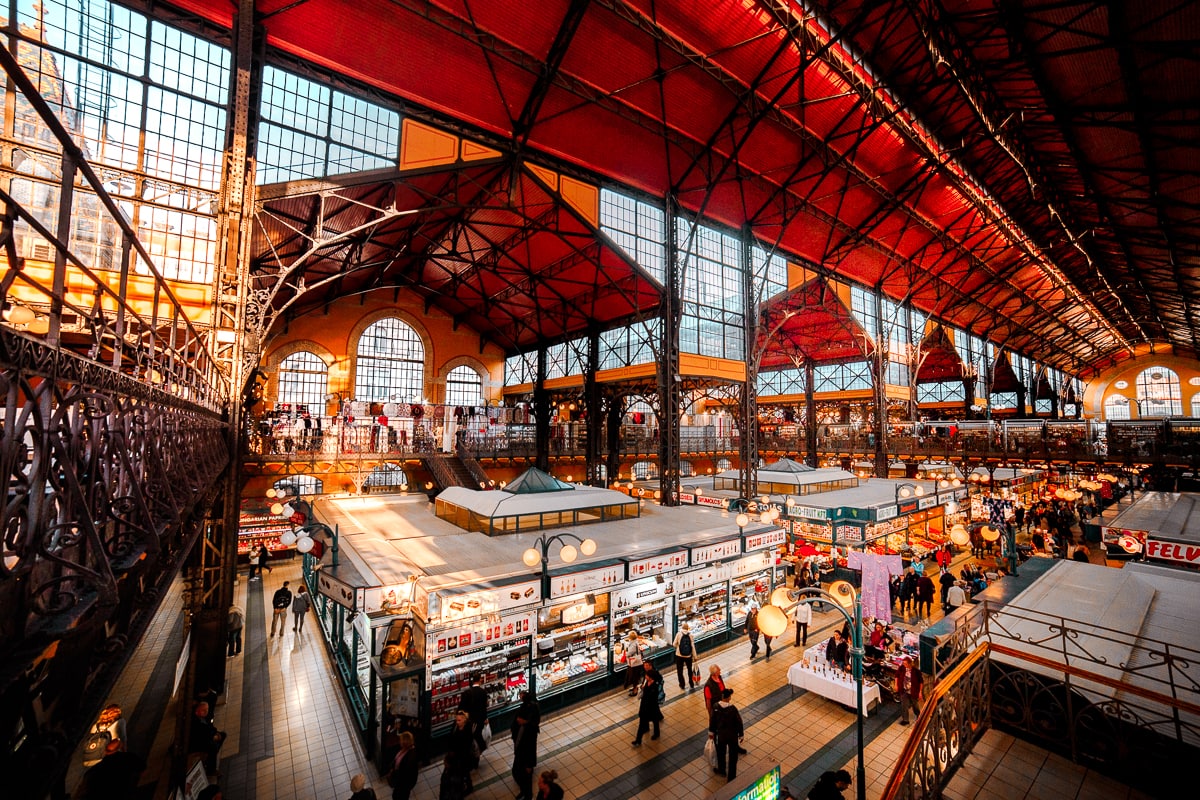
(587,547)
(531,557)
(304,544)
(765,517)
(742,520)
(270,492)
(568,553)
(781,597)
(772,621)
(287,538)
(959,535)
(277,509)
(919,490)
(904,492)
(287,510)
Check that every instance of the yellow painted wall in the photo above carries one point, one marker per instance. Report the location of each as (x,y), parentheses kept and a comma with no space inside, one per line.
(334,334)
(1099,389)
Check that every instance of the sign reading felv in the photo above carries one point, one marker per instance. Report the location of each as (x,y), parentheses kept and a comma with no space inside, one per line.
(657,565)
(705,576)
(716,552)
(1173,551)
(761,541)
(587,581)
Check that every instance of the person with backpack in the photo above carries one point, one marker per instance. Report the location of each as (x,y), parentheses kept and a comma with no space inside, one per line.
(280,602)
(725,727)
(685,656)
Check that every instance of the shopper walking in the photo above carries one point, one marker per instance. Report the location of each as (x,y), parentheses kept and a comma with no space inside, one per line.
(255,569)
(280,602)
(358,785)
(525,728)
(650,707)
(752,629)
(456,780)
(803,617)
(685,656)
(908,688)
(725,727)
(474,701)
(405,767)
(925,592)
(300,606)
(713,688)
(234,622)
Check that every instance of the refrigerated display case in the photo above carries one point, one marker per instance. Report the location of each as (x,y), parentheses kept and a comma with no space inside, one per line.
(572,644)
(498,652)
(705,610)
(750,581)
(643,607)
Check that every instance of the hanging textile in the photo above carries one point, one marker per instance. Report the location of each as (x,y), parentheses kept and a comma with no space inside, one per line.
(877,572)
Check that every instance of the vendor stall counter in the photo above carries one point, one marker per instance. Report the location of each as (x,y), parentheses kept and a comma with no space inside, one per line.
(497,652)
(814,674)
(572,644)
(643,607)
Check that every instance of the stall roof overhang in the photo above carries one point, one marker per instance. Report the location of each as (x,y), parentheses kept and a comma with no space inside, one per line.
(487,242)
(1026,173)
(497,504)
(815,476)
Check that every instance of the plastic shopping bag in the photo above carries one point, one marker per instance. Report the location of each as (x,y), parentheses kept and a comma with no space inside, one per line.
(486,732)
(710,751)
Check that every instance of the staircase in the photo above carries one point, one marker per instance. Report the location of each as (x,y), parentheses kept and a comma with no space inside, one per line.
(449,470)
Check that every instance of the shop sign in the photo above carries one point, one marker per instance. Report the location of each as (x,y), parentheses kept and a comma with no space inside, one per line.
(641,593)
(400,598)
(656,565)
(766,786)
(716,552)
(885,513)
(448,607)
(362,624)
(705,576)
(808,512)
(755,563)
(849,533)
(712,502)
(761,541)
(577,613)
(929,501)
(1173,551)
(590,580)
(336,590)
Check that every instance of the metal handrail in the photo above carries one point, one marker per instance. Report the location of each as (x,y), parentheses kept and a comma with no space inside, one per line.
(188,364)
(913,746)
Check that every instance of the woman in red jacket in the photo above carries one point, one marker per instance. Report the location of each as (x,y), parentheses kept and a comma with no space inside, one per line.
(908,688)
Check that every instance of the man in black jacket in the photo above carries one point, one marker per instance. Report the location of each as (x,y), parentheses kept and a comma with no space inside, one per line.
(475,702)
(280,602)
(725,726)
(524,736)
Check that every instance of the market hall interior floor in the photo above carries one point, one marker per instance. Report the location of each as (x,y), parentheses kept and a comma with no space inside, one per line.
(291,736)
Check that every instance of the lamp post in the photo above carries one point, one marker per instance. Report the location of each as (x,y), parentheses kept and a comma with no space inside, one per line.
(772,621)
(299,514)
(540,554)
(906,490)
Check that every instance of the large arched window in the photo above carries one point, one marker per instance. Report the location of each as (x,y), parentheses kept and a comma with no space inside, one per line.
(1196,405)
(464,387)
(1158,393)
(391,476)
(300,485)
(391,363)
(304,380)
(1116,407)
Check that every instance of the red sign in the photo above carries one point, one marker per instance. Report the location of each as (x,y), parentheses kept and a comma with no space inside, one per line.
(1171,551)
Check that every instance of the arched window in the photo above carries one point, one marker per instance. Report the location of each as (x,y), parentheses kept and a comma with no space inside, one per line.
(685,469)
(1158,393)
(1196,405)
(724,464)
(645,470)
(391,363)
(301,485)
(464,387)
(389,475)
(1116,406)
(304,380)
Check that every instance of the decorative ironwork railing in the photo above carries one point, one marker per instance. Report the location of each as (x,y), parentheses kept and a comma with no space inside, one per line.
(955,715)
(58,299)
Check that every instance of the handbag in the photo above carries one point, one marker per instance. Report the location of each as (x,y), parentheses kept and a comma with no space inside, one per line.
(662,693)
(485,733)
(633,657)
(695,672)
(710,751)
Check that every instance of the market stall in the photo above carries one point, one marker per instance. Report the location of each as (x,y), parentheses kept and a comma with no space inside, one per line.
(813,673)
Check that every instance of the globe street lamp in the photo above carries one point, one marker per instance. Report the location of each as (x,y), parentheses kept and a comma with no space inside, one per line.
(772,621)
(299,514)
(540,554)
(906,490)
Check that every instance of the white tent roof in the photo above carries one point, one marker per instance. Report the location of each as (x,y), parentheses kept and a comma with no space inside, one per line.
(503,504)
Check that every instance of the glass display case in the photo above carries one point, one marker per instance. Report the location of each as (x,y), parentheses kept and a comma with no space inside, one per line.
(704,609)
(572,644)
(742,589)
(642,607)
(498,652)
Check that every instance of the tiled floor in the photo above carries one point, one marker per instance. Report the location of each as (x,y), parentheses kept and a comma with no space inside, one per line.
(291,737)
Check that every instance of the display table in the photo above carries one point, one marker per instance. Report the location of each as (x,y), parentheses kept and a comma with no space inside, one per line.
(843,691)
